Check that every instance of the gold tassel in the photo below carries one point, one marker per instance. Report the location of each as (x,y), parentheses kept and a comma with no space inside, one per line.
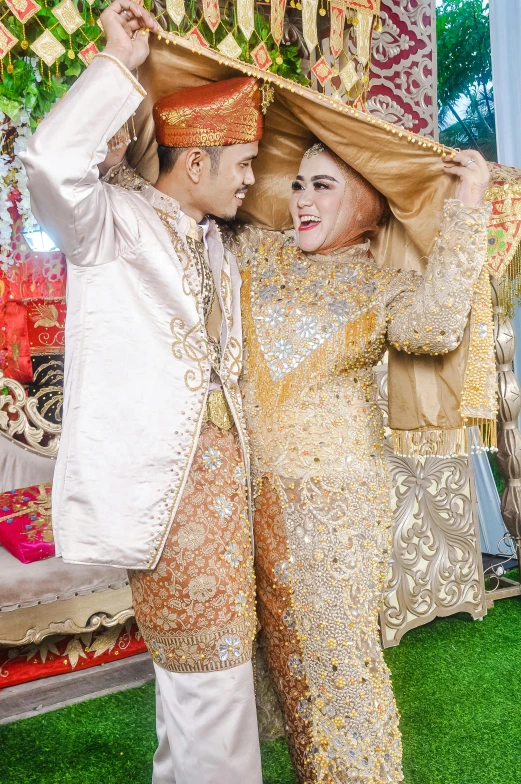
(453,442)
(479,394)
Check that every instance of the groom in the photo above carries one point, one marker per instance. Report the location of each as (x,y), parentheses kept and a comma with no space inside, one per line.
(152,473)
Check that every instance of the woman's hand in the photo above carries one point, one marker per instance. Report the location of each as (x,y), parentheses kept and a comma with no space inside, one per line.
(472,170)
(125,24)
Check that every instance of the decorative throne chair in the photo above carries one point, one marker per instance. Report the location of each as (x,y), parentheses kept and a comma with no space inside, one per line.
(41,596)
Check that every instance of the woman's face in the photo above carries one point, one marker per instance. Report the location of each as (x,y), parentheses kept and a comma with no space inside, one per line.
(317,194)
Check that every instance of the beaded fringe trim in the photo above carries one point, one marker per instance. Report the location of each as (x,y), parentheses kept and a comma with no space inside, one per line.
(479,393)
(474,437)
(510,288)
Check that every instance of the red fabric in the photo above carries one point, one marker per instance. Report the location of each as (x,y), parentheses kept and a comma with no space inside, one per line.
(15,359)
(33,277)
(46,326)
(25,523)
(39,275)
(213,115)
(55,656)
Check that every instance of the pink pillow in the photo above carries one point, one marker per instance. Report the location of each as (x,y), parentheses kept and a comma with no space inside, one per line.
(25,523)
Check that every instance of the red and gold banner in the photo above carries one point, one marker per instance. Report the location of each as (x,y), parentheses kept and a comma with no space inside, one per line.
(23,9)
(212,14)
(278,9)
(365,5)
(7,41)
(88,53)
(337,16)
(246,17)
(261,56)
(309,23)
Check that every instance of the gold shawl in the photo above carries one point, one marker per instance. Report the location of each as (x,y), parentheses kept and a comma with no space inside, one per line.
(426,393)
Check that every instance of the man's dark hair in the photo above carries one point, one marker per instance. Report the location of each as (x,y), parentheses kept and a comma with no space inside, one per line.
(168,157)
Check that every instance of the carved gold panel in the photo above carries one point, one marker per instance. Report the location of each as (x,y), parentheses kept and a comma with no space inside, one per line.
(436,567)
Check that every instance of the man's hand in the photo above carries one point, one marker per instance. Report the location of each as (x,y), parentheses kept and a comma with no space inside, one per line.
(126,24)
(113,157)
(472,170)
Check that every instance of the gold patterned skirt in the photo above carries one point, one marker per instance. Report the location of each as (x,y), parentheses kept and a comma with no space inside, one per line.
(321,560)
(196,609)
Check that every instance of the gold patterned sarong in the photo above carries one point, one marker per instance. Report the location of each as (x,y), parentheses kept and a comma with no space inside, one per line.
(196,609)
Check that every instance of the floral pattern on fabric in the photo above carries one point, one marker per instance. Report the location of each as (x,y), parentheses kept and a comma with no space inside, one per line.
(196,610)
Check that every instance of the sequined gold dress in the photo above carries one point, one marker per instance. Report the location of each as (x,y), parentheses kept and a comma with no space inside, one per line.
(314,327)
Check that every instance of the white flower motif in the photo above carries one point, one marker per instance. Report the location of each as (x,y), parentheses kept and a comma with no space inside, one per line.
(275,316)
(306,327)
(223,507)
(282,349)
(295,665)
(230,647)
(288,619)
(297,268)
(232,554)
(267,273)
(266,293)
(241,602)
(282,572)
(338,307)
(212,459)
(158,652)
(239,475)
(347,275)
(304,709)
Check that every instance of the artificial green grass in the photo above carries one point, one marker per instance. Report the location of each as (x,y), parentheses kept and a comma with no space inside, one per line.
(457,684)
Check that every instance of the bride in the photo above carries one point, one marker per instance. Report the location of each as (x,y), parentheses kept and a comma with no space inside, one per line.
(318,314)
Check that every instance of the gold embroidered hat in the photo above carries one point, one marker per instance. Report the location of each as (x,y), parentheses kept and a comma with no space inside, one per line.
(213,115)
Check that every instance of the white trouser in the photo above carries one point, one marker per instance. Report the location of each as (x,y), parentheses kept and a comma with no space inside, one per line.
(206,727)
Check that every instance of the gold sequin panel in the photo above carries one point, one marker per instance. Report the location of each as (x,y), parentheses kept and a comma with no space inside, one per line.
(323,455)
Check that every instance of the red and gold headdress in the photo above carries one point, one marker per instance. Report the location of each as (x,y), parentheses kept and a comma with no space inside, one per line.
(213,115)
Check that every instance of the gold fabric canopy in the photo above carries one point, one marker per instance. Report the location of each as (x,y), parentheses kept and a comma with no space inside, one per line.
(424,392)
(405,167)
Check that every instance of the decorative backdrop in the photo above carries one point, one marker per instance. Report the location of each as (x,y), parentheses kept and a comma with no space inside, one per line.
(403,72)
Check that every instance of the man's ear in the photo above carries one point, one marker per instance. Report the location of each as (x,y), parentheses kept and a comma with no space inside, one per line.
(195,162)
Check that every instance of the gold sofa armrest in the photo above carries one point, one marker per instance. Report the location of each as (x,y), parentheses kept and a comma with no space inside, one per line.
(21,418)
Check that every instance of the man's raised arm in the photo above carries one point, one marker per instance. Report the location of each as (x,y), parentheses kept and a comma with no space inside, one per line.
(62,157)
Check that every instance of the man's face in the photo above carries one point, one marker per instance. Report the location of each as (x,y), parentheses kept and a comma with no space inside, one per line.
(225,188)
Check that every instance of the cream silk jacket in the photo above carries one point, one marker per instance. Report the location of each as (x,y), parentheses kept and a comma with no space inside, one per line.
(136,361)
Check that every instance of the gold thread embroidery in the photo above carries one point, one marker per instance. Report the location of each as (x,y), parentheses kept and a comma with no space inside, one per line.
(123,70)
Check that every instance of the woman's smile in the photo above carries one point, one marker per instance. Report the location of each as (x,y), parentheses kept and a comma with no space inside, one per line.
(308,221)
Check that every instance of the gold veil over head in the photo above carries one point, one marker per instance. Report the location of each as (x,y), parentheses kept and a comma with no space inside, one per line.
(426,393)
